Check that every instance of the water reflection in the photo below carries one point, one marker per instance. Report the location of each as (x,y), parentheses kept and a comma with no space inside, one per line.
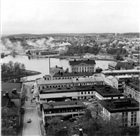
(42,64)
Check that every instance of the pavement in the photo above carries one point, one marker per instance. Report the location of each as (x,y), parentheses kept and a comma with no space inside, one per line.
(33,128)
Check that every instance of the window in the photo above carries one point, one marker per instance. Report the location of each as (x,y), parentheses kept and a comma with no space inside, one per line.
(133,118)
(125,118)
(81,92)
(88,92)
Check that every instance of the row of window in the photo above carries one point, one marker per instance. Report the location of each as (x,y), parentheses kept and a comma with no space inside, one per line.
(82,97)
(57,78)
(134,94)
(133,118)
(64,111)
(65,85)
(85,92)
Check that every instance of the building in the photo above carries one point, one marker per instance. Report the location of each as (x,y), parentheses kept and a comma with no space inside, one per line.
(72,108)
(125,109)
(62,83)
(82,65)
(123,79)
(71,93)
(103,92)
(67,75)
(121,65)
(132,89)
(121,72)
(100,91)
(55,70)
(43,53)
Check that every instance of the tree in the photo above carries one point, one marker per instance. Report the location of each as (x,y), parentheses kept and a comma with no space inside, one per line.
(118,57)
(7,124)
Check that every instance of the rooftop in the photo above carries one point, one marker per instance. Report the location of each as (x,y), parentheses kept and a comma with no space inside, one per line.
(94,78)
(64,104)
(122,64)
(65,74)
(121,71)
(69,89)
(87,61)
(107,91)
(120,105)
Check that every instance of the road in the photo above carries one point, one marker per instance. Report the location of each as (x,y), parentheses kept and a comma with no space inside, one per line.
(33,128)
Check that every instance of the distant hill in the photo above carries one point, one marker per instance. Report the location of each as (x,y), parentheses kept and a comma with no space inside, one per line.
(132,34)
(54,34)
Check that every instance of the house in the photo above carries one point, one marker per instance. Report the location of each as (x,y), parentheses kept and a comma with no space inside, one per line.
(127,110)
(121,65)
(132,89)
(65,108)
(86,65)
(56,69)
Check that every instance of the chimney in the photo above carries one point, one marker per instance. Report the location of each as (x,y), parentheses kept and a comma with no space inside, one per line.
(80,132)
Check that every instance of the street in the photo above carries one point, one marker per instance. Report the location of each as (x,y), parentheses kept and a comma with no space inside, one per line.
(33,128)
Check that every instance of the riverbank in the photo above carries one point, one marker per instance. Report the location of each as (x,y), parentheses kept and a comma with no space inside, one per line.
(25,74)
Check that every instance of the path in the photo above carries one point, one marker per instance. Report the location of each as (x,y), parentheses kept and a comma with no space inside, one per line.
(33,128)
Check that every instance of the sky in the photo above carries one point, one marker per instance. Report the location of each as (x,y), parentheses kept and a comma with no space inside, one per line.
(69,16)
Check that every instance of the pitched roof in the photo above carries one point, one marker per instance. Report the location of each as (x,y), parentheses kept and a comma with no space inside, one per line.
(77,62)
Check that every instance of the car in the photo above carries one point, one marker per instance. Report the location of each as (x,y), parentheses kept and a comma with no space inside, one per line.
(29,121)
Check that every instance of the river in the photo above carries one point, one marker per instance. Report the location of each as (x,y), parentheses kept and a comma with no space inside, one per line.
(42,64)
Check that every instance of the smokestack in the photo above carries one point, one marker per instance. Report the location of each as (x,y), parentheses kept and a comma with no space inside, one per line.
(49,65)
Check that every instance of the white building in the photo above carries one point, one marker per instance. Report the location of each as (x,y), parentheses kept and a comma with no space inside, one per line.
(82,65)
(132,89)
(127,110)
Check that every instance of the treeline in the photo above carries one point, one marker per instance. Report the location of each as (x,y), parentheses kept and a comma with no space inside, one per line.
(90,125)
(114,51)
(12,68)
(79,50)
